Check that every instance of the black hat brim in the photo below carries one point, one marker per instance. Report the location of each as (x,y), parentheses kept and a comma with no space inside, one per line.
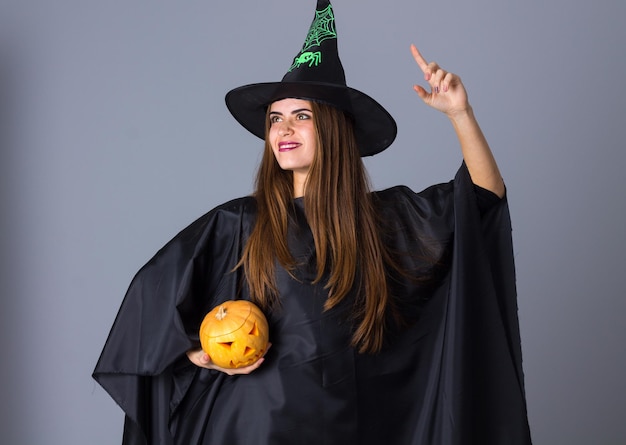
(375,128)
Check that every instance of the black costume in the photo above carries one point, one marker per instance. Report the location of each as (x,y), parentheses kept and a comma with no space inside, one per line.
(453,377)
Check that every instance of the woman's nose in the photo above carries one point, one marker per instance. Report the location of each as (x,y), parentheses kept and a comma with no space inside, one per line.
(285,128)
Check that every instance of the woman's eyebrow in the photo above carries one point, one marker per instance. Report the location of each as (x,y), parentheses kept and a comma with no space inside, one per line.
(299,110)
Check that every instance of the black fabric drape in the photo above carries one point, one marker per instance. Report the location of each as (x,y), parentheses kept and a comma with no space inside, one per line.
(453,377)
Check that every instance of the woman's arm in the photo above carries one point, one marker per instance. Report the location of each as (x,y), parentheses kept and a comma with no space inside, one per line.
(449,96)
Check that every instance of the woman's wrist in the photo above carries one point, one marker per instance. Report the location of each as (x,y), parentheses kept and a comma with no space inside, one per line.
(462,116)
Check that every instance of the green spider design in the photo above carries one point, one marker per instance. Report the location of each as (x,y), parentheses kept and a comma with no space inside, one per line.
(322,28)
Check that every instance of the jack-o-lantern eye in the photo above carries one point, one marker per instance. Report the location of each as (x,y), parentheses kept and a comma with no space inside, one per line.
(234,334)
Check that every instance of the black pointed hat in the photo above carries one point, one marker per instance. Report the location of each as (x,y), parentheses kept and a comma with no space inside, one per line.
(317,74)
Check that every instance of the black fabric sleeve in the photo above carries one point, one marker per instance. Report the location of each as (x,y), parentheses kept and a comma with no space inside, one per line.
(485,199)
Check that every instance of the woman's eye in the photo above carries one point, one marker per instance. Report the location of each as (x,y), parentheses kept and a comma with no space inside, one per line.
(303,116)
(274,119)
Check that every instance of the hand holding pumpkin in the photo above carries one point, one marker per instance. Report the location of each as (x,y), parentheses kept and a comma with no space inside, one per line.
(200,358)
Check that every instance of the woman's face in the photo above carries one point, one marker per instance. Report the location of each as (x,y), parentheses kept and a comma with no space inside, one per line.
(292,136)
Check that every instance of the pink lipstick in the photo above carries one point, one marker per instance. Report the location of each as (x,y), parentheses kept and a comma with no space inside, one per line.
(287,146)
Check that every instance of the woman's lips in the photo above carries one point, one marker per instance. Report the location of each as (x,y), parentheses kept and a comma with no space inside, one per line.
(287,146)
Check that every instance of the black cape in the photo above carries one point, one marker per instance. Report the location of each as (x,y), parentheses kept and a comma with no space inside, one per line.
(452,377)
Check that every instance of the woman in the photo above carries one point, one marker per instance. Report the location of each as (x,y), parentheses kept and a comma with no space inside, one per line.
(392,314)
(292,142)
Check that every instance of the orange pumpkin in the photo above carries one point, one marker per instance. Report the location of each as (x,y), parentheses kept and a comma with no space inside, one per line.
(234,334)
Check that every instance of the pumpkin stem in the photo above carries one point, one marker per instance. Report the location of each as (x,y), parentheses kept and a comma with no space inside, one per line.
(221,313)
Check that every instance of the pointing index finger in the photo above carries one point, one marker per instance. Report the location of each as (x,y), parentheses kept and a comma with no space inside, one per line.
(421,62)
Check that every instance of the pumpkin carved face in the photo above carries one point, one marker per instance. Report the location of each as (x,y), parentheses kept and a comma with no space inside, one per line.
(234,334)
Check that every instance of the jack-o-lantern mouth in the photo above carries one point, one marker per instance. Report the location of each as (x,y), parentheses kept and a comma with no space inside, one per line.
(248,351)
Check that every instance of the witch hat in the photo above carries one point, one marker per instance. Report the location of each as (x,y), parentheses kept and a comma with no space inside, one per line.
(317,74)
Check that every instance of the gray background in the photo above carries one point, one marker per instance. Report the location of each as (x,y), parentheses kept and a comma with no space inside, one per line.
(115,136)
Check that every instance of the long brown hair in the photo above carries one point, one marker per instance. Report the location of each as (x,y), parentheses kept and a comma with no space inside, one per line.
(339,209)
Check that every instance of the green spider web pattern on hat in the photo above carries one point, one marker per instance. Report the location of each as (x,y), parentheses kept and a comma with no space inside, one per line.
(322,28)
(318,60)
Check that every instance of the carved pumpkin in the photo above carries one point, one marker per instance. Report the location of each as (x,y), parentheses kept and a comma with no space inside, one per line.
(234,334)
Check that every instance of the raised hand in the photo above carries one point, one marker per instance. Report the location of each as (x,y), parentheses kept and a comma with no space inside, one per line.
(447,93)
